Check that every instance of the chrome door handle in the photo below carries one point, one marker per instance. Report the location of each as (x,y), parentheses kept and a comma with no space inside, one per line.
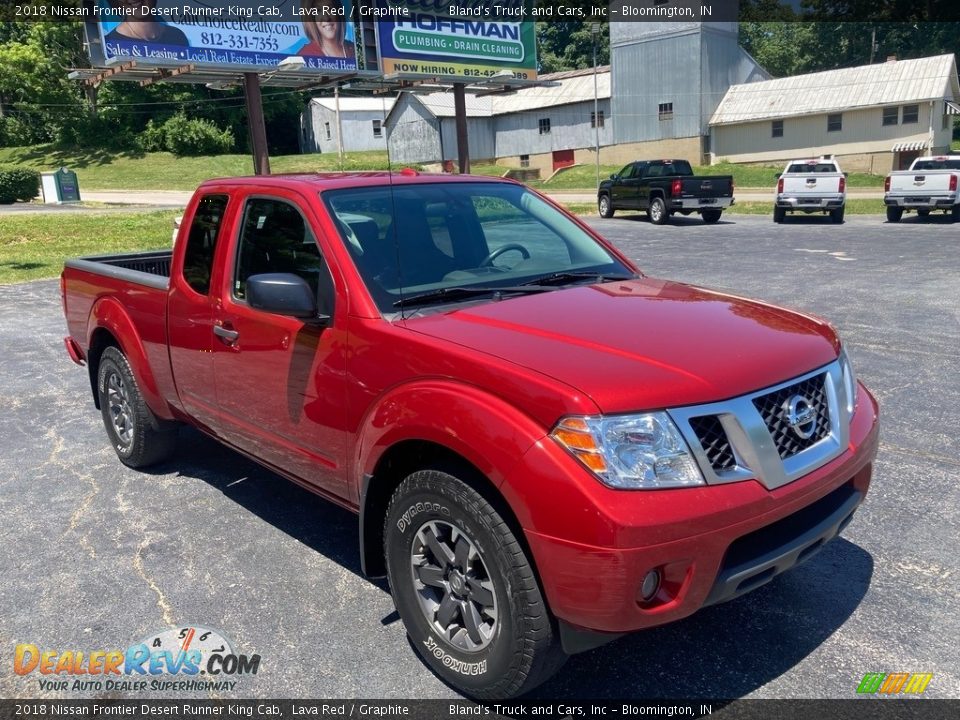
(224,334)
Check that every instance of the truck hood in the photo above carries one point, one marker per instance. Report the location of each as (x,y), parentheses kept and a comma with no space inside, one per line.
(642,344)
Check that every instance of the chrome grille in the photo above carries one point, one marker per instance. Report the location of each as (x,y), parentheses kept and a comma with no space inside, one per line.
(713,440)
(773,410)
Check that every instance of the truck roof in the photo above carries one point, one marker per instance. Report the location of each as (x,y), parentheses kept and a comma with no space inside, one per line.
(332,180)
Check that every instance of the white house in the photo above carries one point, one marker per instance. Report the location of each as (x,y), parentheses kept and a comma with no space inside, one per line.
(361,120)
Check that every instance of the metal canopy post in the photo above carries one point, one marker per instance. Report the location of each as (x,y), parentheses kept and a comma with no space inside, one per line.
(258,128)
(460,110)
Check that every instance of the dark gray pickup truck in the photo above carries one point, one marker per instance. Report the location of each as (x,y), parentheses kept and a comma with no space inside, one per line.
(665,187)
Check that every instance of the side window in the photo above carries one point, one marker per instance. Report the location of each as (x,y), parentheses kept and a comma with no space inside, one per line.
(276,239)
(627,172)
(202,242)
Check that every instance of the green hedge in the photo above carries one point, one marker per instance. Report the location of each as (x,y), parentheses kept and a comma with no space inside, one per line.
(182,136)
(18,183)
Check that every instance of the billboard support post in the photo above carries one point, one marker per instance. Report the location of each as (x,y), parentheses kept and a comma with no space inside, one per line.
(460,110)
(258,128)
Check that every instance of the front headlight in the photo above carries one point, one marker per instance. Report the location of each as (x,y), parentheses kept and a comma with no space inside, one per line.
(637,452)
(849,383)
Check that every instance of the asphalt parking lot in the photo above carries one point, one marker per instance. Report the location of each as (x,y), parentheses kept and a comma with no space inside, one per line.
(96,556)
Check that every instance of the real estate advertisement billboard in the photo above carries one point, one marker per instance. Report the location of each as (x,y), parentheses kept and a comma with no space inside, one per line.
(249,33)
(461,48)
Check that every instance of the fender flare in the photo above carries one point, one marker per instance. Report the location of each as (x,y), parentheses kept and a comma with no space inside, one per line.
(485,431)
(110,315)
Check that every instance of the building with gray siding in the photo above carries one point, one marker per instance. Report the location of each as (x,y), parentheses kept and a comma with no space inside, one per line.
(361,119)
(669,78)
(542,127)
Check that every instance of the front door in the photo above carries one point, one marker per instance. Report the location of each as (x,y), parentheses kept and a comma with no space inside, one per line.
(281,380)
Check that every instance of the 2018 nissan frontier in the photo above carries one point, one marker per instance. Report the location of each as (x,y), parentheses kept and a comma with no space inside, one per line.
(546,448)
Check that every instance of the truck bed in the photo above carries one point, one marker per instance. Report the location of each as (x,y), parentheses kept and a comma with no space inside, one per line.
(151,268)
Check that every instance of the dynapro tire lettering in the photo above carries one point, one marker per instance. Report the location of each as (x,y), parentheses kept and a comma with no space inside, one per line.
(404,522)
(464,668)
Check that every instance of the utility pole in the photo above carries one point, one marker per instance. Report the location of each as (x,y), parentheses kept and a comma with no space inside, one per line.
(336,98)
(460,110)
(258,128)
(595,32)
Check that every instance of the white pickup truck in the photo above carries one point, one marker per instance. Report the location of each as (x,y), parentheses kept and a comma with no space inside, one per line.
(930,184)
(816,185)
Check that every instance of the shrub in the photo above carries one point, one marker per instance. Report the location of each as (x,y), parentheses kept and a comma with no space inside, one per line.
(186,136)
(152,138)
(18,183)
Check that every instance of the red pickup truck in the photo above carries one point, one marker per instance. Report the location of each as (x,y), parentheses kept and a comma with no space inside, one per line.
(546,448)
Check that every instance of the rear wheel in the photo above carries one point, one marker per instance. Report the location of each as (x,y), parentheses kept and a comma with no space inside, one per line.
(605,207)
(779,214)
(658,211)
(894,213)
(711,216)
(138,436)
(465,589)
(837,215)
(955,214)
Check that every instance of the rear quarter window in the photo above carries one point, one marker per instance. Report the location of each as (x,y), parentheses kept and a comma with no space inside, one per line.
(202,242)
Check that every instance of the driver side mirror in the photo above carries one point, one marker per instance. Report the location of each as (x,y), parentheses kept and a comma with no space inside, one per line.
(615,176)
(284,294)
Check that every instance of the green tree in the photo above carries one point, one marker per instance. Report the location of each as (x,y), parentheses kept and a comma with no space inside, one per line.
(569,45)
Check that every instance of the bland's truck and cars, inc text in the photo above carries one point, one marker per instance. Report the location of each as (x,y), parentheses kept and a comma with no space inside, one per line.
(546,448)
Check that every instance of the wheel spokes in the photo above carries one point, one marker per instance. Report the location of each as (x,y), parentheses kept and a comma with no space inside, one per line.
(471,620)
(447,610)
(431,576)
(441,552)
(481,591)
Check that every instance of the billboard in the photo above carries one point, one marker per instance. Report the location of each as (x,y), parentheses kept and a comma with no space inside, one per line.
(461,47)
(228,33)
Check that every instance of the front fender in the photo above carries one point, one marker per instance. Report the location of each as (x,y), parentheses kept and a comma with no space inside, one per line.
(110,315)
(486,431)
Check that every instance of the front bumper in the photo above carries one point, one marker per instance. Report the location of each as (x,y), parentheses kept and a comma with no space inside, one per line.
(709,544)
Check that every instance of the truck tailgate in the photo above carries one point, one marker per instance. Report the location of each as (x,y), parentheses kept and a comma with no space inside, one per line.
(921,182)
(811,185)
(713,186)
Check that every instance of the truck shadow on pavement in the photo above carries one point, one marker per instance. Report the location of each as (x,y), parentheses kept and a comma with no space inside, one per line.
(318,523)
(675,220)
(722,652)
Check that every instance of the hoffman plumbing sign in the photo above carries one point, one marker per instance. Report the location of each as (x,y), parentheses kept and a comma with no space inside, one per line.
(475,43)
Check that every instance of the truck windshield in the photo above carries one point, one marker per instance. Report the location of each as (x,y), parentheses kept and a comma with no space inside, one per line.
(937,164)
(421,240)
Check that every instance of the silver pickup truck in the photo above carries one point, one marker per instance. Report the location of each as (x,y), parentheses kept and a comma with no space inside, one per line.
(930,184)
(811,186)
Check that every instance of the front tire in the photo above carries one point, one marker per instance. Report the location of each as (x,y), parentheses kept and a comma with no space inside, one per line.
(138,437)
(465,590)
(658,211)
(605,207)
(894,213)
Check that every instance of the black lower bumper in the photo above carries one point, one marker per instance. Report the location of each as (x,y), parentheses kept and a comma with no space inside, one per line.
(755,559)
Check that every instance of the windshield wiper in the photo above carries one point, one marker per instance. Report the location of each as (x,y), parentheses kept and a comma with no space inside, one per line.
(458,293)
(560,278)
